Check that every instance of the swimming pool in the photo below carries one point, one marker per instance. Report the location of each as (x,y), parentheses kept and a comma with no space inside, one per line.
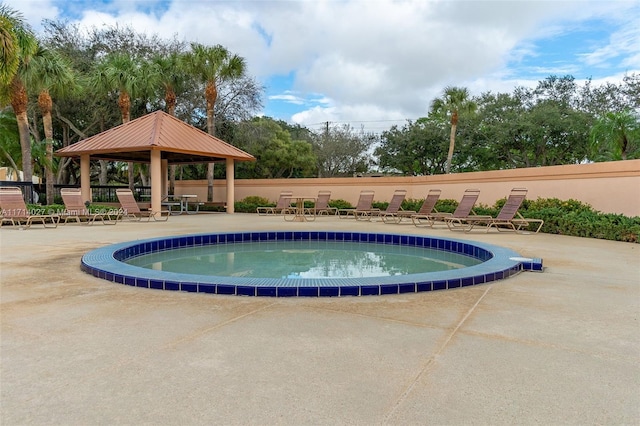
(496,263)
(302,259)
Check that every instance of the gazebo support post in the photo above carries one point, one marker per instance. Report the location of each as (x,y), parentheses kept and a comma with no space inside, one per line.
(230,185)
(165,178)
(156,180)
(85,177)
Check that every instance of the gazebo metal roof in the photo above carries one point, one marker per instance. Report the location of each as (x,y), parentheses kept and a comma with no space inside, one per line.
(179,143)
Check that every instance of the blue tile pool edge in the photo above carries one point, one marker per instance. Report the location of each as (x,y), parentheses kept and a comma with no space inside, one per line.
(498,263)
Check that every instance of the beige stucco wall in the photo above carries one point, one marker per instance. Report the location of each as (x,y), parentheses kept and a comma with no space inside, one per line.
(612,187)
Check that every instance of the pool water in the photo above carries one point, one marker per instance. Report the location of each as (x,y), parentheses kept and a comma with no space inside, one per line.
(303,259)
(495,263)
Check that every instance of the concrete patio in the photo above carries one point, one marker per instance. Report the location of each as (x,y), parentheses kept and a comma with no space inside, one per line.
(558,347)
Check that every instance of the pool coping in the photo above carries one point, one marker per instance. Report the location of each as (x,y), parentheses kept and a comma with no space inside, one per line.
(498,263)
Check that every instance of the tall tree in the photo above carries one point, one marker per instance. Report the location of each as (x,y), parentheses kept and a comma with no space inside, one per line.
(278,154)
(342,151)
(171,77)
(454,101)
(18,43)
(118,72)
(212,65)
(616,136)
(48,73)
(11,25)
(127,76)
(414,150)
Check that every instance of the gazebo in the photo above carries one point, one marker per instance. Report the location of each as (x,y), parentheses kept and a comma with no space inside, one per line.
(160,140)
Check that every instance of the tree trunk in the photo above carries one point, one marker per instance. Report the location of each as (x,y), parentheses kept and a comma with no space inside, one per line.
(104,172)
(210,182)
(130,175)
(124,103)
(210,94)
(48,168)
(170,99)
(143,175)
(452,143)
(19,102)
(11,161)
(172,179)
(25,147)
(45,103)
(33,128)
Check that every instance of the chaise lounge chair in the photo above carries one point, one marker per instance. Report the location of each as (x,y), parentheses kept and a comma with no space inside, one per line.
(322,205)
(464,210)
(363,209)
(427,212)
(14,210)
(75,209)
(283,205)
(507,220)
(131,210)
(390,214)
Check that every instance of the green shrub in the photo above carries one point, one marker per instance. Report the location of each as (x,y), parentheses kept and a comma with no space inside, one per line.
(446,205)
(551,217)
(592,224)
(484,210)
(99,208)
(411,204)
(50,209)
(251,203)
(212,208)
(340,204)
(382,205)
(565,206)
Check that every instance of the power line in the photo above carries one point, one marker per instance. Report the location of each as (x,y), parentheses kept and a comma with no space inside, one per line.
(323,123)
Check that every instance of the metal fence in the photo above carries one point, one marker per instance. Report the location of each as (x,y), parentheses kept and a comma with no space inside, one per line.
(29,192)
(36,194)
(107,193)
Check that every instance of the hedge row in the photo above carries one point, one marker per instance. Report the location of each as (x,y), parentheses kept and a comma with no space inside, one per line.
(568,217)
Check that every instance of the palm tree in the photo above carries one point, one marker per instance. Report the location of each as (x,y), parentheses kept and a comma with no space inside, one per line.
(9,44)
(171,76)
(117,72)
(454,100)
(122,73)
(47,73)
(616,136)
(18,45)
(213,65)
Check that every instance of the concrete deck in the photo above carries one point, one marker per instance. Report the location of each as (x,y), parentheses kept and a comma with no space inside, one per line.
(559,347)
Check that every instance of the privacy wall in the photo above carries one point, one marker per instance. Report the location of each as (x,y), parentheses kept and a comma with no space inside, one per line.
(611,187)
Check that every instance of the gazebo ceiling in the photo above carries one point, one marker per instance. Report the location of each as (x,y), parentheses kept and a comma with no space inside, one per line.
(179,143)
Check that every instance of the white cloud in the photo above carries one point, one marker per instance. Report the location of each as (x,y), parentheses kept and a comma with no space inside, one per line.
(34,12)
(622,45)
(376,59)
(289,98)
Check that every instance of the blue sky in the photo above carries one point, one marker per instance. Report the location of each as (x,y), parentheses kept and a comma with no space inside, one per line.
(375,63)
